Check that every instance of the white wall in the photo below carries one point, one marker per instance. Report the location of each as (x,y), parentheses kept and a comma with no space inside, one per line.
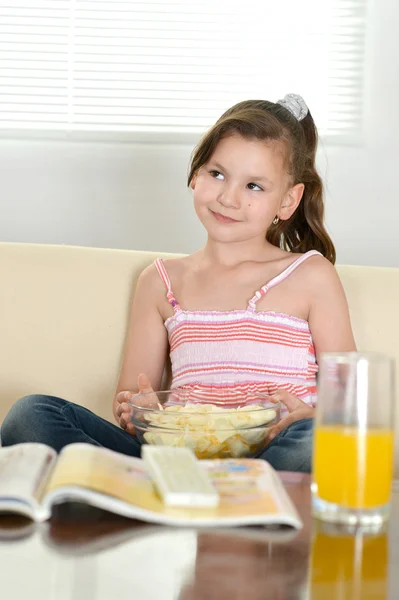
(134,195)
(107,195)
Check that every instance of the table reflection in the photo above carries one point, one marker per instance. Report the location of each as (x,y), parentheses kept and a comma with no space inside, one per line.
(94,555)
(348,564)
(229,567)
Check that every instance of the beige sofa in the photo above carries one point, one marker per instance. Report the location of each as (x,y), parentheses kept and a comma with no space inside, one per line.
(63,314)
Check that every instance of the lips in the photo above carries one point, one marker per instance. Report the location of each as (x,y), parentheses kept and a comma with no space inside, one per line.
(222,218)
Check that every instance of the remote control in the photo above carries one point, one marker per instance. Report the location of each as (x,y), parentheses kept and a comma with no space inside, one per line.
(178,477)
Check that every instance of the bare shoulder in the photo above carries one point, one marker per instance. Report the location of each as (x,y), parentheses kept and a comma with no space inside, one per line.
(317,270)
(150,289)
(321,279)
(149,278)
(177,267)
(329,318)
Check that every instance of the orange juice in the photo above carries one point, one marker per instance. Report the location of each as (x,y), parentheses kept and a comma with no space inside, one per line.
(351,468)
(349,567)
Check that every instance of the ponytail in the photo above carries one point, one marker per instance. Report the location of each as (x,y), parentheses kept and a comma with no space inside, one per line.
(305,229)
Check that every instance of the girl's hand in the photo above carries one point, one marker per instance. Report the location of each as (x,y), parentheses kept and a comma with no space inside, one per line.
(124,410)
(297,410)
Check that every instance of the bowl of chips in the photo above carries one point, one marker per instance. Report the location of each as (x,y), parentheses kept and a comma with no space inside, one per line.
(211,430)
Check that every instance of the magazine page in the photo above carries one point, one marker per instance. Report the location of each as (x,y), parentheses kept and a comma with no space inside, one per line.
(250,491)
(24,472)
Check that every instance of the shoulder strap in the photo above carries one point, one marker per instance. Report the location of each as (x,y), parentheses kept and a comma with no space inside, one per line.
(279,278)
(160,267)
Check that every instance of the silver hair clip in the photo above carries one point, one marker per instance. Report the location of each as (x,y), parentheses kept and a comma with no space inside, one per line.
(296,105)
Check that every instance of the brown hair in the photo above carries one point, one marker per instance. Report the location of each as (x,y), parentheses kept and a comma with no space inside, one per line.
(263,120)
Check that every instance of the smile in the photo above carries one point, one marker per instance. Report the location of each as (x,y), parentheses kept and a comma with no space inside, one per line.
(222,218)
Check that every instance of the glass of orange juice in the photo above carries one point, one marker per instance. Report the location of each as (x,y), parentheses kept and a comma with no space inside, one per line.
(354,439)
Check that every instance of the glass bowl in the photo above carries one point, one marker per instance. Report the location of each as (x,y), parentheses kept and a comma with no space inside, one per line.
(170,418)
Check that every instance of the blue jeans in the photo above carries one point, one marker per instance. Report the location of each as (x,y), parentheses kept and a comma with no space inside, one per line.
(57,423)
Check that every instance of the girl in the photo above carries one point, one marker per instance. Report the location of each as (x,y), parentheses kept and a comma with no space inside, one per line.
(250,312)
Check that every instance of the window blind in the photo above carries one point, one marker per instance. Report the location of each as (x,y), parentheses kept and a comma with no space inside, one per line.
(128,66)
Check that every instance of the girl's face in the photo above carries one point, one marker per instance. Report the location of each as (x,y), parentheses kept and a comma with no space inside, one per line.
(242,188)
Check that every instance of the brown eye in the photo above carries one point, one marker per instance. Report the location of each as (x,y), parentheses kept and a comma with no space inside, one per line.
(216,174)
(254,187)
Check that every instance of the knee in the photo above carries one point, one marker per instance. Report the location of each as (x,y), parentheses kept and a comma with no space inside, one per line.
(22,421)
(302,459)
(300,436)
(291,450)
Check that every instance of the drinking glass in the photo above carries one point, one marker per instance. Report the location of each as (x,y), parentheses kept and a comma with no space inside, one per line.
(354,439)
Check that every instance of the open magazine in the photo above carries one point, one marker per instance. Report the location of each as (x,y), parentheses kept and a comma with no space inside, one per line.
(33,479)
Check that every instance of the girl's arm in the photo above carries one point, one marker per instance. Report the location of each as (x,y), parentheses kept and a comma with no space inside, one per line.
(330,327)
(329,319)
(146,346)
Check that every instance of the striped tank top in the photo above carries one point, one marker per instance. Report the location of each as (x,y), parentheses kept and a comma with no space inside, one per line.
(228,357)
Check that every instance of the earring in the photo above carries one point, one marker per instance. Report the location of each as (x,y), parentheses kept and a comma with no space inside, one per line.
(275,220)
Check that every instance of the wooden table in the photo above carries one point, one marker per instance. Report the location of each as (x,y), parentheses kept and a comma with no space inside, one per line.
(85,554)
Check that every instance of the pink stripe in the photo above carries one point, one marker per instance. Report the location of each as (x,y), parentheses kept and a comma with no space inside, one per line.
(301,385)
(175,322)
(270,340)
(234,335)
(275,383)
(240,364)
(235,385)
(223,392)
(267,338)
(246,326)
(249,315)
(201,373)
(210,395)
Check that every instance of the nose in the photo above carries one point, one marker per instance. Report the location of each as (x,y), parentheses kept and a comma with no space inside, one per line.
(229,197)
